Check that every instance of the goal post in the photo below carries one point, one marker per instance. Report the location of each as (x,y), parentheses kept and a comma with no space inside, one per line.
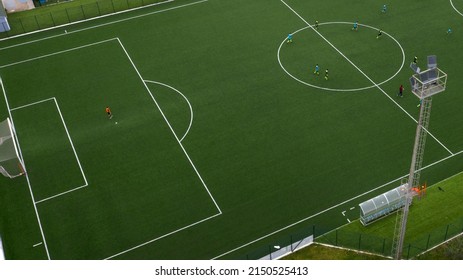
(10,162)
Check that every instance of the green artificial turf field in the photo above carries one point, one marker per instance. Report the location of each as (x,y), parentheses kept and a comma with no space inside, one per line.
(225,139)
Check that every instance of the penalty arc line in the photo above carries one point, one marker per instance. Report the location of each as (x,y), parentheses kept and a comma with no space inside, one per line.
(363,73)
(169,125)
(187,101)
(184,151)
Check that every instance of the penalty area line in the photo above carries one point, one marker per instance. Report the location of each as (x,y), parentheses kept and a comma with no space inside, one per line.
(187,101)
(169,125)
(70,141)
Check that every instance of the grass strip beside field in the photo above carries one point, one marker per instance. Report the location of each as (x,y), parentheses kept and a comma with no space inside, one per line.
(426,213)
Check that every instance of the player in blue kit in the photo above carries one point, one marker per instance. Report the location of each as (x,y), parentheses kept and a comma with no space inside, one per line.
(317,70)
(289,39)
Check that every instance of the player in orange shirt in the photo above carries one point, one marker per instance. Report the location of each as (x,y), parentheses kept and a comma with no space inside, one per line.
(108,111)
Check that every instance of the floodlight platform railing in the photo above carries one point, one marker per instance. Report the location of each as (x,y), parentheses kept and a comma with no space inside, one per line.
(428,83)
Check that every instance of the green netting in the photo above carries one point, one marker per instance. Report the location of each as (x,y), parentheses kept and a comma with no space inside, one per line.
(65,14)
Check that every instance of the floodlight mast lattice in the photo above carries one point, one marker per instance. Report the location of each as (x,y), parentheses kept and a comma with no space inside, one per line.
(424,85)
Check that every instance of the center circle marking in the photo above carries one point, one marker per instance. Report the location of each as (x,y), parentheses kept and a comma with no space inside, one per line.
(337,89)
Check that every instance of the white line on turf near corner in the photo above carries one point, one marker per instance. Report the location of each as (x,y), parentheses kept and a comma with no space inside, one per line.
(331,208)
(27,175)
(38,244)
(163,236)
(104,24)
(184,97)
(77,22)
(56,53)
(363,73)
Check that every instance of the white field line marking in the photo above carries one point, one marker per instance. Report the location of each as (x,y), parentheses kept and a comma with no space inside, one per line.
(360,70)
(343,213)
(170,126)
(35,245)
(456,10)
(163,236)
(449,177)
(184,151)
(339,89)
(31,104)
(70,141)
(27,176)
(437,140)
(352,208)
(330,208)
(60,194)
(56,53)
(84,20)
(187,101)
(105,24)
(348,221)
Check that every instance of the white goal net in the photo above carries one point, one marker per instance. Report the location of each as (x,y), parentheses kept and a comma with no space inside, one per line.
(10,162)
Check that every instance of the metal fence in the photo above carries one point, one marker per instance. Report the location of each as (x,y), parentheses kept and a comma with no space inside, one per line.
(65,15)
(414,244)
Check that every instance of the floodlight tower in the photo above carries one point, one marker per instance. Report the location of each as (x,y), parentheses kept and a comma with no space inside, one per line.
(424,85)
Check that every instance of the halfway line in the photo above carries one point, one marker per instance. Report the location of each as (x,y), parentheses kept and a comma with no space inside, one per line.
(363,73)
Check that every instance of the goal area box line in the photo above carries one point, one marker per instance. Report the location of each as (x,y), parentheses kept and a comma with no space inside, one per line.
(23,109)
(19,108)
